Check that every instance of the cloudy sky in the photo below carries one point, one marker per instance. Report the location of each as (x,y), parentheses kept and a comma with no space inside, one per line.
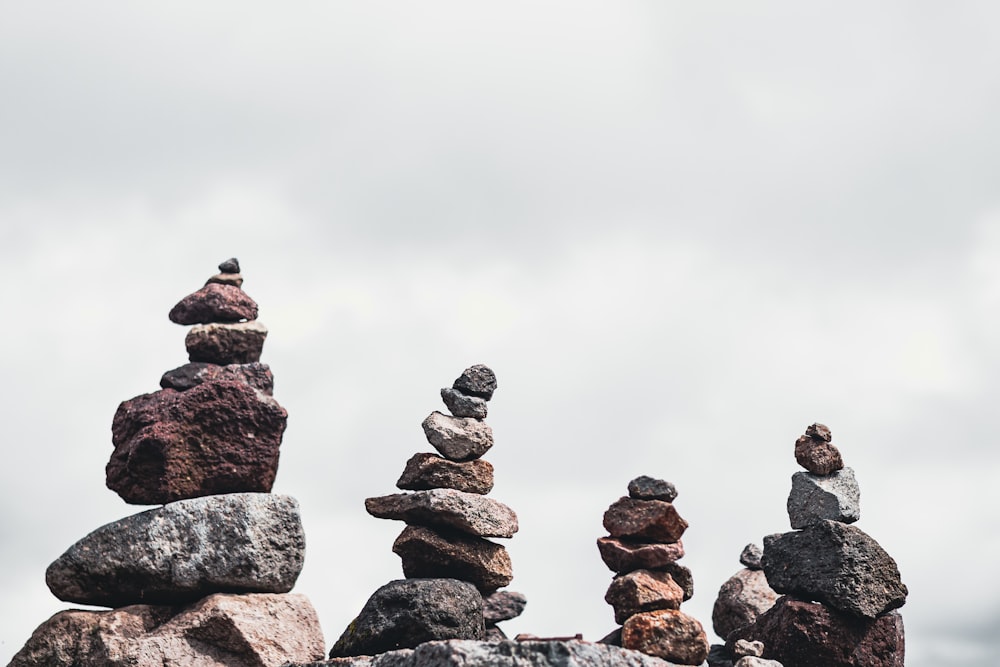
(678,232)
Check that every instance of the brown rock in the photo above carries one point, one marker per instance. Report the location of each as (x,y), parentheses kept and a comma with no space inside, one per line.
(224,344)
(215,302)
(447,508)
(743,598)
(449,554)
(217,437)
(641,591)
(668,634)
(265,630)
(644,520)
(430,471)
(458,438)
(234,279)
(816,453)
(257,375)
(625,556)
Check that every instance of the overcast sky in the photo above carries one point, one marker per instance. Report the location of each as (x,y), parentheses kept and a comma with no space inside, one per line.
(678,232)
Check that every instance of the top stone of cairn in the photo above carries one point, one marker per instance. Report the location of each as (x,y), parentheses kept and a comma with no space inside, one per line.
(221,300)
(815,452)
(478,380)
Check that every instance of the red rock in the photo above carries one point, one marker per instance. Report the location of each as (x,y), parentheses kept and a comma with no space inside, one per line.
(816,453)
(215,302)
(220,436)
(225,344)
(624,556)
(430,471)
(441,553)
(641,591)
(745,596)
(644,520)
(668,634)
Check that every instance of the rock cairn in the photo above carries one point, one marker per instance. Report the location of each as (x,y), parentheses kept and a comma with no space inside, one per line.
(642,550)
(742,598)
(204,579)
(840,588)
(449,565)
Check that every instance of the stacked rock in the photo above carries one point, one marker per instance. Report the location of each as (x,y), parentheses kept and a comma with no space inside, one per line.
(204,579)
(643,548)
(448,563)
(840,586)
(745,596)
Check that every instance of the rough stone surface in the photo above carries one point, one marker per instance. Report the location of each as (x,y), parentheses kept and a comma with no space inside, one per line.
(817,454)
(234,279)
(503,606)
(477,380)
(231,265)
(218,631)
(467,512)
(751,555)
(644,520)
(807,634)
(613,638)
(650,488)
(220,436)
(458,438)
(430,471)
(257,375)
(682,576)
(429,553)
(409,612)
(819,432)
(240,343)
(624,556)
(668,634)
(836,564)
(642,590)
(753,661)
(463,405)
(493,634)
(234,543)
(742,598)
(744,647)
(816,498)
(215,302)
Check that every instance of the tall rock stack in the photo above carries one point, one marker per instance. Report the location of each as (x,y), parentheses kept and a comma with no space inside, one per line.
(840,587)
(204,579)
(642,549)
(449,564)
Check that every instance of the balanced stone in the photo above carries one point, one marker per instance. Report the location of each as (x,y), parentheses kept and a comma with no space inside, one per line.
(668,634)
(742,598)
(644,520)
(650,488)
(816,453)
(642,590)
(682,575)
(754,661)
(257,375)
(468,512)
(463,405)
(429,471)
(624,556)
(215,302)
(816,498)
(234,279)
(231,265)
(503,606)
(743,648)
(477,380)
(240,343)
(429,553)
(458,438)
(233,543)
(751,555)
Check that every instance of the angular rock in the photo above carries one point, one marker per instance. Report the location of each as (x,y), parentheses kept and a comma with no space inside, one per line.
(743,648)
(221,436)
(812,635)
(240,343)
(750,556)
(742,598)
(429,553)
(817,454)
(218,631)
(642,590)
(644,520)
(215,302)
(429,471)
(467,512)
(668,634)
(406,613)
(819,432)
(650,488)
(458,438)
(477,380)
(234,279)
(503,606)
(231,265)
(816,498)
(463,405)
(718,656)
(682,577)
(836,564)
(624,556)
(257,375)
(753,661)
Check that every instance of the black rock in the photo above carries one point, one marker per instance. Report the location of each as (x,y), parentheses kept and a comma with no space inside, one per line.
(477,380)
(650,488)
(231,265)
(463,405)
(751,555)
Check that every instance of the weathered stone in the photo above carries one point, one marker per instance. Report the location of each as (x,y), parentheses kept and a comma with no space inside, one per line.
(234,279)
(493,634)
(233,543)
(682,577)
(231,265)
(463,405)
(215,302)
(477,380)
(744,647)
(742,598)
(624,556)
(468,512)
(808,634)
(429,553)
(819,432)
(817,454)
(458,438)
(430,471)
(836,564)
(668,634)
(719,656)
(642,590)
(257,375)
(815,498)
(613,638)
(406,613)
(644,520)
(503,606)
(753,661)
(751,555)
(221,436)
(650,488)
(263,630)
(240,343)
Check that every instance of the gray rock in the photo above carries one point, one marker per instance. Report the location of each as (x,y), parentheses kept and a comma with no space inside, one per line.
(231,265)
(503,606)
(240,343)
(429,553)
(753,661)
(477,380)
(458,438)
(257,375)
(494,634)
(751,555)
(650,488)
(836,564)
(448,508)
(233,543)
(624,556)
(463,405)
(406,613)
(742,598)
(745,647)
(816,498)
(429,471)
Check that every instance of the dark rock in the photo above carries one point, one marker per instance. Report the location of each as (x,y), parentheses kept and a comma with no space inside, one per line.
(233,543)
(625,556)
(215,302)
(613,638)
(750,556)
(224,344)
(429,553)
(463,405)
(718,656)
(171,445)
(682,576)
(234,279)
(231,265)
(668,634)
(406,613)
(447,508)
(816,453)
(477,380)
(742,598)
(644,520)
(816,498)
(458,438)
(649,488)
(819,432)
(642,590)
(429,471)
(257,375)
(836,564)
(503,606)
(494,634)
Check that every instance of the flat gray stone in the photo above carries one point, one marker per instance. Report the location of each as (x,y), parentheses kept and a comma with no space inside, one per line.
(463,405)
(468,512)
(834,497)
(458,438)
(503,606)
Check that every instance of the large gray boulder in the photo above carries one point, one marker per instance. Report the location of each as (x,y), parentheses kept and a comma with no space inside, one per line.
(233,543)
(467,512)
(834,497)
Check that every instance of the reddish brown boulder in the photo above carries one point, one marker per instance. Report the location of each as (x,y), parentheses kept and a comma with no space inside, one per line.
(644,520)
(641,591)
(442,553)
(745,596)
(815,452)
(625,556)
(221,436)
(225,344)
(430,471)
(215,302)
(668,634)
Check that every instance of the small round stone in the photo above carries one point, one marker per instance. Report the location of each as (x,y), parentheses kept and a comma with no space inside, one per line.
(650,488)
